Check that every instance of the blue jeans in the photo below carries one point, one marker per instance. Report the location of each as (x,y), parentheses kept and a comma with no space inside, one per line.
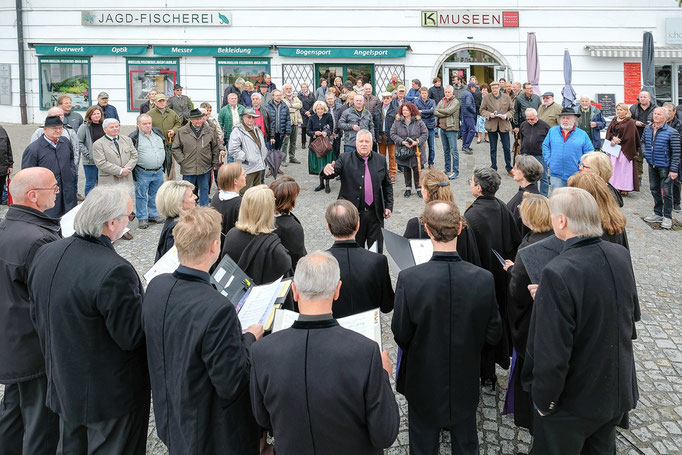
(449,141)
(91,176)
(468,131)
(146,186)
(348,148)
(201,182)
(544,180)
(660,181)
(432,148)
(557,182)
(504,138)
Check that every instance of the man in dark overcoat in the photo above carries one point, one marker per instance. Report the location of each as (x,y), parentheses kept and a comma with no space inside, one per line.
(26,424)
(373,200)
(322,389)
(364,274)
(445,311)
(198,357)
(86,307)
(580,367)
(55,152)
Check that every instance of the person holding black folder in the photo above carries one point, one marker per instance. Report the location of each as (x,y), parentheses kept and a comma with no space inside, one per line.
(445,311)
(198,358)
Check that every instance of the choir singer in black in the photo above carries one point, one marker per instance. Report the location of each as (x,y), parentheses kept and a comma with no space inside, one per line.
(445,310)
(365,182)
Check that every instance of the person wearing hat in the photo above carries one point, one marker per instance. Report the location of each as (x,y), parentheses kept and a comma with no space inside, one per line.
(498,110)
(563,147)
(399,98)
(247,147)
(54,152)
(109,110)
(196,148)
(166,120)
(549,111)
(384,116)
(180,103)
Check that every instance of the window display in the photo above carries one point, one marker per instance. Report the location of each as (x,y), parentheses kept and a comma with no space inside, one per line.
(64,76)
(150,74)
(229,70)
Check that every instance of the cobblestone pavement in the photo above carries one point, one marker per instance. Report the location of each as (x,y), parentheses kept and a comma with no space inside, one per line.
(656,423)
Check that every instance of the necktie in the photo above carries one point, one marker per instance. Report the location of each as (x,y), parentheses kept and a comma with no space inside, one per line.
(116,144)
(369,193)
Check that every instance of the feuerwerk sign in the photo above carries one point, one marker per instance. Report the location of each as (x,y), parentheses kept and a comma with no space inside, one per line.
(181,18)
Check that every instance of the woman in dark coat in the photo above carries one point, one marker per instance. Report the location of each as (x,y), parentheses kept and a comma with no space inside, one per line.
(174,197)
(526,172)
(320,123)
(612,218)
(436,187)
(622,131)
(231,179)
(289,229)
(534,211)
(307,98)
(409,132)
(252,242)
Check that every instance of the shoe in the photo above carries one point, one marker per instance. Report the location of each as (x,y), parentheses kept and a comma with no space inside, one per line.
(667,223)
(294,161)
(676,208)
(487,140)
(653,218)
(327,189)
(157,219)
(319,187)
(338,178)
(284,163)
(436,135)
(468,151)
(478,141)
(430,166)
(142,224)
(419,193)
(280,172)
(510,173)
(268,174)
(80,197)
(408,193)
(453,176)
(127,236)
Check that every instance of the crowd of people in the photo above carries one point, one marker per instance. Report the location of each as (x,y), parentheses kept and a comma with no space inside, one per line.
(81,359)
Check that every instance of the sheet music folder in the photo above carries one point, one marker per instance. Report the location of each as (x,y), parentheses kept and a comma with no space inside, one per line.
(405,253)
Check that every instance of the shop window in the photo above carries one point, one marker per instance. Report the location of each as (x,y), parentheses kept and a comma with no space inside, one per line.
(295,74)
(149,74)
(64,76)
(383,73)
(664,84)
(347,72)
(229,70)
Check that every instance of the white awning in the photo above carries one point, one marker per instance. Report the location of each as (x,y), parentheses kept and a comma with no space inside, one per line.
(634,51)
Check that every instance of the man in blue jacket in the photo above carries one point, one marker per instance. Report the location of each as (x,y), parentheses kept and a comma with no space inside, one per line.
(468,116)
(413,94)
(109,110)
(563,147)
(661,149)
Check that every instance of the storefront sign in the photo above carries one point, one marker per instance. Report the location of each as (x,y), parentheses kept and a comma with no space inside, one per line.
(77,49)
(181,18)
(608,104)
(470,18)
(222,51)
(673,30)
(632,81)
(343,52)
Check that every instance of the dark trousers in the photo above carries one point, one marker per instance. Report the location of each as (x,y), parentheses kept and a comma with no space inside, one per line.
(425,438)
(122,435)
(677,184)
(504,138)
(304,136)
(660,182)
(27,426)
(370,230)
(563,433)
(468,131)
(279,138)
(408,173)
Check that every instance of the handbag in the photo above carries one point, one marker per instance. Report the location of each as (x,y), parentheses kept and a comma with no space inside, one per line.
(321,146)
(404,153)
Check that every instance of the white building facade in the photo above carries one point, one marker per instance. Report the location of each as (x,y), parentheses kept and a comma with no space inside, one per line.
(125,48)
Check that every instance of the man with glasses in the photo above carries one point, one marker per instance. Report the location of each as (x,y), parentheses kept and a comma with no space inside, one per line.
(54,152)
(91,332)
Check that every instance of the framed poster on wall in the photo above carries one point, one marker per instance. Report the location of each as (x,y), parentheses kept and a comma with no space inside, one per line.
(229,70)
(145,74)
(64,76)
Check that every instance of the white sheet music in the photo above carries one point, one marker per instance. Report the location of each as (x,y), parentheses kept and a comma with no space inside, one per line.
(283,319)
(167,264)
(611,149)
(67,220)
(422,250)
(259,304)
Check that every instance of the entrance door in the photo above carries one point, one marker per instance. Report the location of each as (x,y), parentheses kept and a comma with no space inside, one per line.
(451,70)
(347,72)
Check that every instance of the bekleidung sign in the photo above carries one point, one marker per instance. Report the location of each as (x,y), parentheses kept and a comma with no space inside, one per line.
(466,18)
(183,18)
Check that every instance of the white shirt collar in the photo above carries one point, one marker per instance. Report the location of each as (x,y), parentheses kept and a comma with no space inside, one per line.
(227,195)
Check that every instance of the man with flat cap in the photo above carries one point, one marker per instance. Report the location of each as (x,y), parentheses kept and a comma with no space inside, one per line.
(247,147)
(322,389)
(54,152)
(109,110)
(364,274)
(26,424)
(549,111)
(180,103)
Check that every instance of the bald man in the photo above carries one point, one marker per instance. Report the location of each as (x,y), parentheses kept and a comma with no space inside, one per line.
(26,424)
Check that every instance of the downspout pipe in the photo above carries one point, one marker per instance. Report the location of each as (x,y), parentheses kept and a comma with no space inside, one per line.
(22,69)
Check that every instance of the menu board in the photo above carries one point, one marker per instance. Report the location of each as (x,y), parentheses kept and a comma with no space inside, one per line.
(632,81)
(608,104)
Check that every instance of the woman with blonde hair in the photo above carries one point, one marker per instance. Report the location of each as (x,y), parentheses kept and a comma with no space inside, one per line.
(231,179)
(173,198)
(436,187)
(599,163)
(623,131)
(252,242)
(245,98)
(613,220)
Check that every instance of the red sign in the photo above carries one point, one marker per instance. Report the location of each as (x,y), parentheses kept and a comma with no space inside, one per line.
(632,81)
(510,19)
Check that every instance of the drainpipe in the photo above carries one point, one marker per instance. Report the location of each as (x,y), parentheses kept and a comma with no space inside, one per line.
(22,71)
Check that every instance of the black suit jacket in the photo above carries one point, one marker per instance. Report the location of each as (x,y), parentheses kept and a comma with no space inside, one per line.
(515,202)
(291,234)
(351,168)
(445,310)
(366,283)
(199,367)
(322,390)
(579,356)
(86,304)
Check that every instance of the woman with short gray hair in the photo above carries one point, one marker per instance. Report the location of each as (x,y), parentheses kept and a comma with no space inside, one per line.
(496,234)
(526,172)
(174,197)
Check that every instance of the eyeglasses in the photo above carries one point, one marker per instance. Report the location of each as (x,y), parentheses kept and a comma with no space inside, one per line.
(584,166)
(54,188)
(131,216)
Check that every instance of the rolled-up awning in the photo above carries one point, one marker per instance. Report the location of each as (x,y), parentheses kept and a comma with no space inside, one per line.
(634,51)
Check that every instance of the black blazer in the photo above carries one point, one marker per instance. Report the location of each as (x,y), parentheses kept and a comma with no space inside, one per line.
(322,390)
(199,367)
(86,305)
(579,356)
(351,168)
(229,210)
(445,310)
(515,202)
(166,239)
(366,283)
(291,234)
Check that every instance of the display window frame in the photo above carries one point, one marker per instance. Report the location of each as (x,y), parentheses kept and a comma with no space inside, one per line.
(64,60)
(132,62)
(236,61)
(345,67)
